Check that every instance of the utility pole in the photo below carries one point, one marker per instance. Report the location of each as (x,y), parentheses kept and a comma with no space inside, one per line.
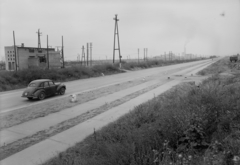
(138,55)
(143,54)
(146,53)
(39,41)
(47,54)
(116,32)
(91,53)
(87,54)
(15,51)
(83,56)
(62,53)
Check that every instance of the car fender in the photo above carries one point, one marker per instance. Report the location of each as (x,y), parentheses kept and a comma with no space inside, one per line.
(60,86)
(38,92)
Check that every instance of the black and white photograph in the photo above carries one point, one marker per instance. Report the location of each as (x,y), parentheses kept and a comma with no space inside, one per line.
(119,82)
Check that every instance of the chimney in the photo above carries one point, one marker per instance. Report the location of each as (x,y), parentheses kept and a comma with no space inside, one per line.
(22,45)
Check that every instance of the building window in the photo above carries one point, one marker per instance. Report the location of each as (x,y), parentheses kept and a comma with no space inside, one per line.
(42,59)
(31,50)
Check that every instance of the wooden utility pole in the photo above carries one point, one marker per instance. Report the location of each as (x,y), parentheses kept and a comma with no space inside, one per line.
(15,51)
(87,54)
(63,53)
(47,54)
(116,33)
(146,53)
(143,54)
(83,56)
(138,55)
(91,53)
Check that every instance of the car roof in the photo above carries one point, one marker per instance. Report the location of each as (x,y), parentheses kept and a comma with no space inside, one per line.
(40,80)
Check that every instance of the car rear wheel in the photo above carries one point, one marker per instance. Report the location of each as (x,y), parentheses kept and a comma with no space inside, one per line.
(62,91)
(41,96)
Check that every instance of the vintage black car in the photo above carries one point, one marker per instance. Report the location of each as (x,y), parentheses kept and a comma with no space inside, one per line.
(42,88)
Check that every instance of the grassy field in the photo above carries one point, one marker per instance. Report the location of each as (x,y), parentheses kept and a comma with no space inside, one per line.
(186,125)
(73,71)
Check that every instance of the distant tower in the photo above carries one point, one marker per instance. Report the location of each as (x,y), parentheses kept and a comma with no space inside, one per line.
(116,33)
(39,41)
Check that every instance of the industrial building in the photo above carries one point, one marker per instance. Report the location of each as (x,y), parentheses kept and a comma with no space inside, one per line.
(30,57)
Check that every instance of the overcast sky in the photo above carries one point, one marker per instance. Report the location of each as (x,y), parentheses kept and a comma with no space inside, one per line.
(206,27)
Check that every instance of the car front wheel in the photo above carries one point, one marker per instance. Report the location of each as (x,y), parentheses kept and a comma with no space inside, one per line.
(62,91)
(41,96)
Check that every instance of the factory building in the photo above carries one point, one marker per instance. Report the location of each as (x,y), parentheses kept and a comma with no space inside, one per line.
(30,57)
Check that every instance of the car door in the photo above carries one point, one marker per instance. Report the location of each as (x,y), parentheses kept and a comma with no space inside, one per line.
(53,87)
(47,88)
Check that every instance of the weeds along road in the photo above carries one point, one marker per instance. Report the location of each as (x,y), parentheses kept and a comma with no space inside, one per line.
(33,133)
(12,100)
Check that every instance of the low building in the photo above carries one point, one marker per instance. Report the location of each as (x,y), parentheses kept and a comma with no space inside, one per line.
(30,57)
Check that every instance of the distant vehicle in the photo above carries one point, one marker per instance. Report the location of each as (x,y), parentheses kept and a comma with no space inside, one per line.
(233,58)
(42,88)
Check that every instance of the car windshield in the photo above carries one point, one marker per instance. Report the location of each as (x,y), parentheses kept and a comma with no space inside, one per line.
(32,85)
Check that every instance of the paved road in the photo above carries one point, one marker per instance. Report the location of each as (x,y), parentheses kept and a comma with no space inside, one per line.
(12,100)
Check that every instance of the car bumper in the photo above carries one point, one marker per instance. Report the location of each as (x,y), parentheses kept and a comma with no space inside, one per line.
(27,95)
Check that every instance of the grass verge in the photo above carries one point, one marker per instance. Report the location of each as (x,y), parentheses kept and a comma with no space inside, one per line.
(186,125)
(20,79)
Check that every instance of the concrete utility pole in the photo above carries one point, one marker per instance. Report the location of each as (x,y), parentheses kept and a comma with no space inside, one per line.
(15,51)
(116,33)
(39,41)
